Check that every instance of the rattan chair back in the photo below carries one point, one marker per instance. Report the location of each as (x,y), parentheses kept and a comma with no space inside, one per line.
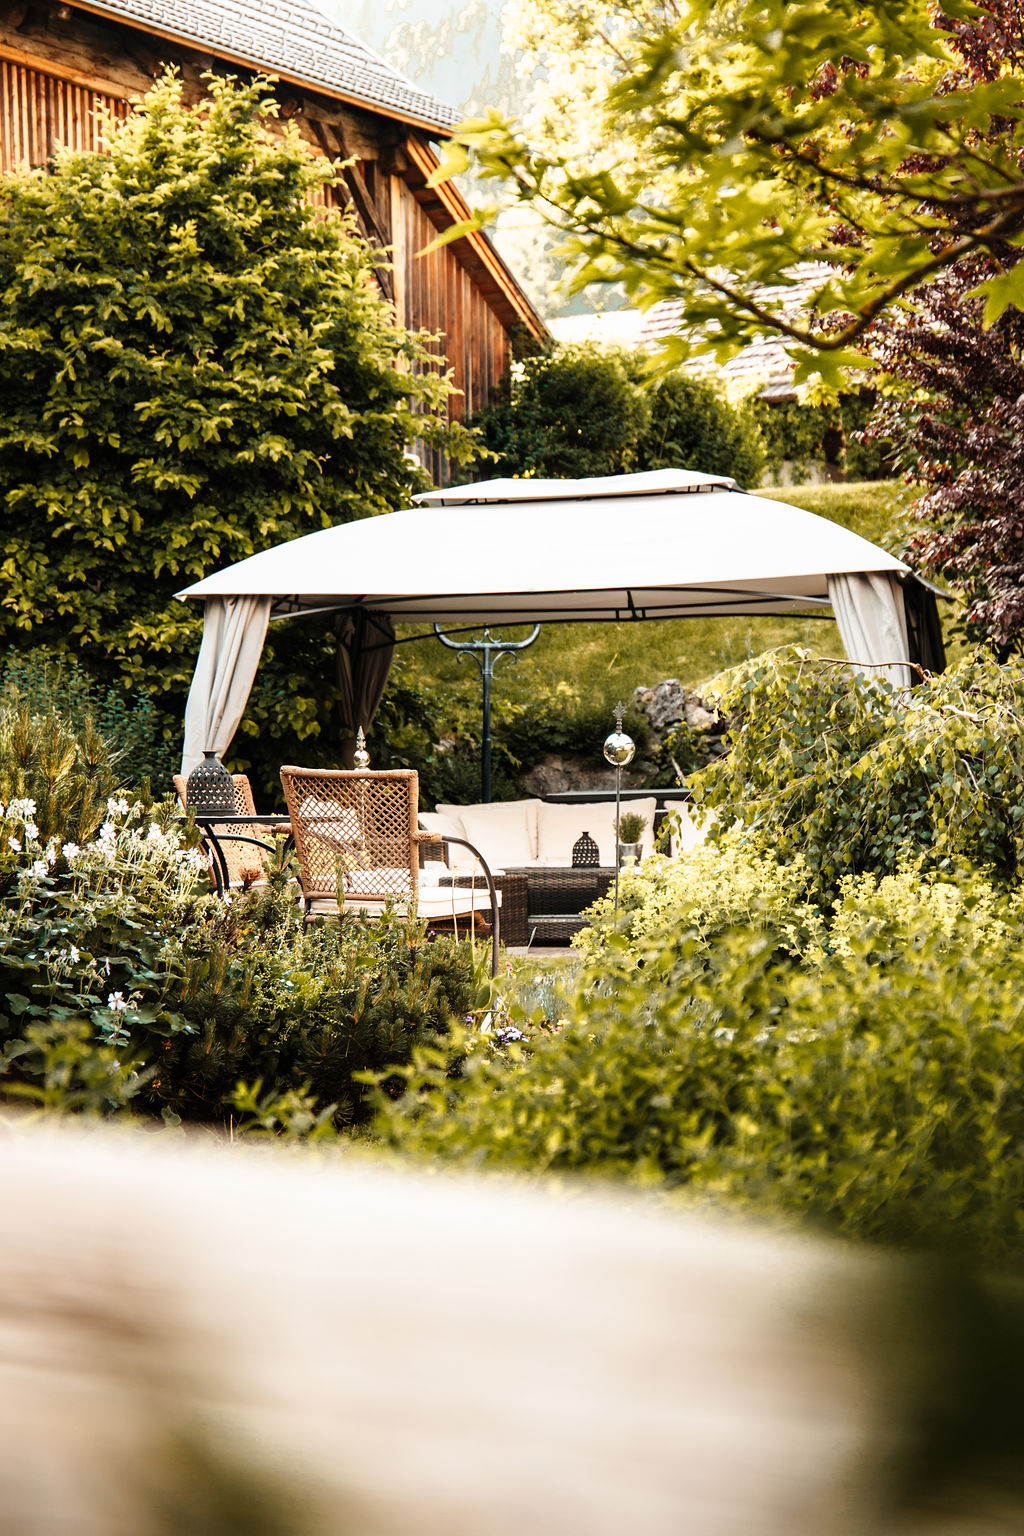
(245,862)
(358,824)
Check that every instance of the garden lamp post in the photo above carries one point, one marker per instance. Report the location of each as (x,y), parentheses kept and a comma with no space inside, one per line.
(618,750)
(486,652)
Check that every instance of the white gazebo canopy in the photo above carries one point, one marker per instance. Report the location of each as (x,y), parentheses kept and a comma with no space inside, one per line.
(659,545)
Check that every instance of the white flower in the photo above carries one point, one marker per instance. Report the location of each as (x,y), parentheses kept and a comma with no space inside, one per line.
(116,1002)
(21,808)
(51,853)
(40,868)
(117,807)
(70,851)
(75,955)
(14,845)
(31,830)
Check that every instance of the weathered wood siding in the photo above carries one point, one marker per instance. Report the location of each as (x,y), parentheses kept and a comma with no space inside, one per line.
(439,296)
(40,114)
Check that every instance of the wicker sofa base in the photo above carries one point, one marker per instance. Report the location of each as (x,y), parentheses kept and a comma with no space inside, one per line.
(543,906)
(555,899)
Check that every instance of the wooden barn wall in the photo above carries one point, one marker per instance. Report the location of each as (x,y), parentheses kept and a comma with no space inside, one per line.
(438,295)
(40,114)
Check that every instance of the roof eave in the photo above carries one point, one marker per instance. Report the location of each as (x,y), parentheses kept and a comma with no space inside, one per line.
(448,198)
(287,77)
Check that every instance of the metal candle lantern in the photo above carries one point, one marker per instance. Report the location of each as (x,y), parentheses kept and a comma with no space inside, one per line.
(619,750)
(210,790)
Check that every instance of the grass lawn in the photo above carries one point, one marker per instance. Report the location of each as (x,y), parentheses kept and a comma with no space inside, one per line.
(598,663)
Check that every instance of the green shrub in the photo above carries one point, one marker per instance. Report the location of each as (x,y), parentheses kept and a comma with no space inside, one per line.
(302,1009)
(871,1086)
(693,427)
(53,682)
(122,980)
(853,775)
(67,773)
(806,435)
(570,412)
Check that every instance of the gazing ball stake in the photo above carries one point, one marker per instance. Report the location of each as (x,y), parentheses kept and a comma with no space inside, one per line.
(360,757)
(619,749)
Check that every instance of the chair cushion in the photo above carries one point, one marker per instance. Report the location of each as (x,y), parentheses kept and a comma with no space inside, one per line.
(504,831)
(560,826)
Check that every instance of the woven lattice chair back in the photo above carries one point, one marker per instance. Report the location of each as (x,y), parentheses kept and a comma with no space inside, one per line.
(358,823)
(244,861)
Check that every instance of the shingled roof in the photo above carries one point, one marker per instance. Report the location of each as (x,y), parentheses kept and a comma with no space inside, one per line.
(292,39)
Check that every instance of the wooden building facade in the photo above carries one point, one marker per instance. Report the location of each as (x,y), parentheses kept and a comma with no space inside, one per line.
(66,68)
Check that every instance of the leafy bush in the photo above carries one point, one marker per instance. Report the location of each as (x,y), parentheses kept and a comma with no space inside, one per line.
(53,682)
(693,427)
(570,412)
(827,432)
(123,981)
(853,775)
(195,364)
(870,1085)
(304,1009)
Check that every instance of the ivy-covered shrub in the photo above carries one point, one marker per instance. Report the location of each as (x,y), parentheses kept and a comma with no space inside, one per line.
(693,427)
(869,1082)
(806,435)
(853,775)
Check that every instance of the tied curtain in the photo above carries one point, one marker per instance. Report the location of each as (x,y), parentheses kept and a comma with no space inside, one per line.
(234,629)
(872,622)
(366,643)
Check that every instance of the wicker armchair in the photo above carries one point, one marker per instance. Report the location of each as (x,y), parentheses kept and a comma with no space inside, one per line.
(244,847)
(357,829)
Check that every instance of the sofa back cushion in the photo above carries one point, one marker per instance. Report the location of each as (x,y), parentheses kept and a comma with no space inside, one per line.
(559,826)
(505,831)
(690,832)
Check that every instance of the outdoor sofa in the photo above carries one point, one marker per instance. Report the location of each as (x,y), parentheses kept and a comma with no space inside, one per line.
(529,846)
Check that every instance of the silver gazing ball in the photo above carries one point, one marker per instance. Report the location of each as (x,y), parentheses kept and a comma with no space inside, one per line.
(619,749)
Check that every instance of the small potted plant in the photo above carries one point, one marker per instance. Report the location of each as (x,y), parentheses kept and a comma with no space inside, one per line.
(630,831)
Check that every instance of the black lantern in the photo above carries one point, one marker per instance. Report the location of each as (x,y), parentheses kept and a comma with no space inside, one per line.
(210,790)
(584,851)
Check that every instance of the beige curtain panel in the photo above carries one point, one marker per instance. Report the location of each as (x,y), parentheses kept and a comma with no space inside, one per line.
(872,622)
(234,629)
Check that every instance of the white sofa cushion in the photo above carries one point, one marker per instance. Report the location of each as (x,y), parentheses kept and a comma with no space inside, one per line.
(690,833)
(504,831)
(440,826)
(559,827)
